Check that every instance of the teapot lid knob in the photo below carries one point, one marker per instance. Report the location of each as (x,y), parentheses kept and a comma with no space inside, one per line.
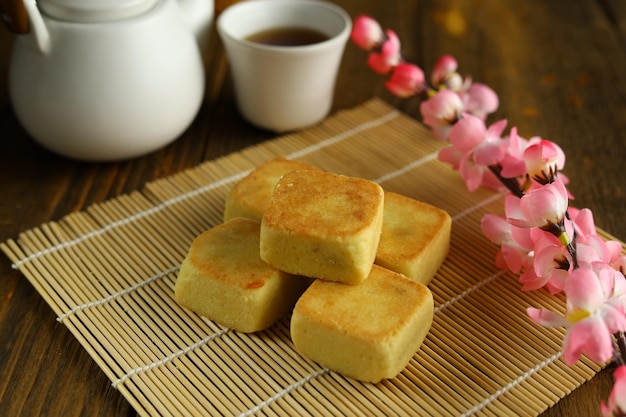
(93,11)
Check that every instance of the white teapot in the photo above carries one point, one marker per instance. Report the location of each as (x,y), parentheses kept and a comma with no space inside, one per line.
(106,80)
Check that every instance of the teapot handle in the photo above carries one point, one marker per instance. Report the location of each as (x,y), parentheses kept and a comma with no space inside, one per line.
(14,16)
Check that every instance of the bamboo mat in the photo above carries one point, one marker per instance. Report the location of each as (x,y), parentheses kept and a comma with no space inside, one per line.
(109,272)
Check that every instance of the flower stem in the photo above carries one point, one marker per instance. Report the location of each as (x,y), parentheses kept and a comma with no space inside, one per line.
(621,344)
(510,183)
(571,247)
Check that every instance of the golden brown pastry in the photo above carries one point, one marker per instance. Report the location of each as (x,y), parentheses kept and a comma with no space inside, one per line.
(251,195)
(367,331)
(323,225)
(415,239)
(223,279)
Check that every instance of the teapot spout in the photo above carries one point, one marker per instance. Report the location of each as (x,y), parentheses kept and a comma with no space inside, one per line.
(199,17)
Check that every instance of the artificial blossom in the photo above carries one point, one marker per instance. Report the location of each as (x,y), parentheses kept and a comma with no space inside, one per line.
(544,240)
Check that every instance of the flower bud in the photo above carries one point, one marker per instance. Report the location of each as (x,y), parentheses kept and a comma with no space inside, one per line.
(406,80)
(543,160)
(366,33)
(445,68)
(389,56)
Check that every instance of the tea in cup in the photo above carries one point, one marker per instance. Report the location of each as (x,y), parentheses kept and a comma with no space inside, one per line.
(284,56)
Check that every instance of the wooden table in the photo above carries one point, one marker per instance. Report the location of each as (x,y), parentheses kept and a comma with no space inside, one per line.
(557,66)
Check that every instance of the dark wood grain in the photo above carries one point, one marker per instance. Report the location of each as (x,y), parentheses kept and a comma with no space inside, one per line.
(557,66)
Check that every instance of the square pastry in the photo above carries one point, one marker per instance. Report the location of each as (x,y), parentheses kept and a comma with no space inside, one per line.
(367,331)
(224,279)
(251,195)
(323,225)
(415,238)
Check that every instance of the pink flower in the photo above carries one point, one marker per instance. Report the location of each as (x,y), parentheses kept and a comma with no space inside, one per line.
(584,223)
(609,252)
(595,319)
(491,150)
(445,65)
(542,207)
(482,147)
(591,319)
(616,259)
(468,133)
(543,160)
(606,251)
(552,263)
(441,111)
(444,74)
(617,399)
(452,156)
(513,162)
(366,33)
(619,290)
(516,245)
(406,80)
(480,100)
(591,337)
(389,56)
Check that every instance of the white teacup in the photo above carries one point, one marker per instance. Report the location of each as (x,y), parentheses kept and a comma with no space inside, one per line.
(283,88)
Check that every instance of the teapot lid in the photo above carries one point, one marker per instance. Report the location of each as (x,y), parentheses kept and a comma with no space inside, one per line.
(94,10)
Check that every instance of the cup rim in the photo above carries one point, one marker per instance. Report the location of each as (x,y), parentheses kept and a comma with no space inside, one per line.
(234,8)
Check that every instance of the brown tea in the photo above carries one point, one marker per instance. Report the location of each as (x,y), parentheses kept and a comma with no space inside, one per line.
(288,36)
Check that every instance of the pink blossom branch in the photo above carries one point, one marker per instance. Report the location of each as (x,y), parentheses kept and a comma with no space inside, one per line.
(547,242)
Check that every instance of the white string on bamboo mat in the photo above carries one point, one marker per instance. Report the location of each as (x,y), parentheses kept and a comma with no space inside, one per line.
(493,397)
(129,219)
(169,358)
(407,168)
(350,132)
(468,291)
(511,385)
(284,392)
(235,177)
(480,205)
(117,294)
